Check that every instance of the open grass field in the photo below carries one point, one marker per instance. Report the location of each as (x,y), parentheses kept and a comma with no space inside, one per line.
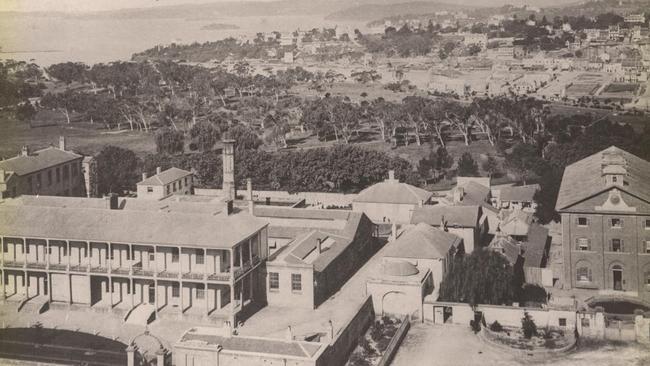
(81,137)
(626,88)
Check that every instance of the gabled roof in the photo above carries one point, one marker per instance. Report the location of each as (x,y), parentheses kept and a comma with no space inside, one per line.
(583,179)
(422,241)
(392,191)
(533,249)
(38,160)
(519,193)
(168,176)
(128,226)
(459,216)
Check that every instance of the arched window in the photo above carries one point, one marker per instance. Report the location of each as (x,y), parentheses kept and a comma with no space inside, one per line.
(583,274)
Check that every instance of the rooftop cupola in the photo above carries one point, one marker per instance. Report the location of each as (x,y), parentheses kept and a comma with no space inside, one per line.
(614,168)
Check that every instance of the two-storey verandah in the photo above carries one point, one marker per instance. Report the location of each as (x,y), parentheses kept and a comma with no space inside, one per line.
(178,280)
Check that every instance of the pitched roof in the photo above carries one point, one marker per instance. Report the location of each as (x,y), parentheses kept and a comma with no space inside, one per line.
(127,226)
(168,176)
(583,179)
(392,191)
(38,160)
(422,241)
(519,193)
(460,216)
(533,249)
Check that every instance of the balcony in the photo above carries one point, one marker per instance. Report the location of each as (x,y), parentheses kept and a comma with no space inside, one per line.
(219,277)
(138,271)
(58,267)
(256,259)
(79,267)
(13,264)
(120,271)
(165,274)
(193,276)
(239,271)
(36,265)
(98,269)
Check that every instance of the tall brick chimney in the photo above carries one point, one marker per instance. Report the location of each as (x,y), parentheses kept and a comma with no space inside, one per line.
(229,187)
(24,151)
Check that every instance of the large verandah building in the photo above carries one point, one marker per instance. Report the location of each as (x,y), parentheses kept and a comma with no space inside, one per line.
(91,253)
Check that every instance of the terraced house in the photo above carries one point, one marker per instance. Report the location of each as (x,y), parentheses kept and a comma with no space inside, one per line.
(135,257)
(604,201)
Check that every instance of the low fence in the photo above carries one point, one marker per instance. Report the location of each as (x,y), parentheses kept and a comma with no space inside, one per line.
(499,341)
(345,340)
(395,342)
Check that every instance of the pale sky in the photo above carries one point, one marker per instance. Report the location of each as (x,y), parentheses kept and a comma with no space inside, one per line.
(97,5)
(90,5)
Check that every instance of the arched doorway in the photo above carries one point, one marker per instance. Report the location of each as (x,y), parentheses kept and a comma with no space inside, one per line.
(395,303)
(617,277)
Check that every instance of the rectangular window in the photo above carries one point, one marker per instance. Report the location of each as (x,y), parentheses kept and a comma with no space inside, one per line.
(152,257)
(296,282)
(176,291)
(274,280)
(49,177)
(582,221)
(200,259)
(647,246)
(66,172)
(175,257)
(647,224)
(583,274)
(583,244)
(180,184)
(168,189)
(187,183)
(149,189)
(200,294)
(58,174)
(617,245)
(616,223)
(562,322)
(174,186)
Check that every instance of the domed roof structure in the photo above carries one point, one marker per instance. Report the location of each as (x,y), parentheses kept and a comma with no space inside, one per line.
(400,268)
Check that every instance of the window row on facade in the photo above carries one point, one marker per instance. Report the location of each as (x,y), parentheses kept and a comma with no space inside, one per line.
(615,245)
(274,281)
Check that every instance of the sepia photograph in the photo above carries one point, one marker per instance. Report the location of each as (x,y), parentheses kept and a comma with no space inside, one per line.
(324,182)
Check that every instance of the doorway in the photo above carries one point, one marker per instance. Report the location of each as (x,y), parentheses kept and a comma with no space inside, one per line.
(617,277)
(152,294)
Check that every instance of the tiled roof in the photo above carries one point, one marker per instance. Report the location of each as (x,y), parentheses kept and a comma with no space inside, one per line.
(393,192)
(269,346)
(127,226)
(460,216)
(583,179)
(519,193)
(38,160)
(168,176)
(534,248)
(422,241)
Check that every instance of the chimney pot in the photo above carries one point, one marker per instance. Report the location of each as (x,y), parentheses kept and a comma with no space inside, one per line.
(158,170)
(24,151)
(62,143)
(144,175)
(391,175)
(289,333)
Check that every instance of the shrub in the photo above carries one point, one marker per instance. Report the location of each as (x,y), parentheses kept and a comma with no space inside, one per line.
(496,327)
(528,326)
(476,326)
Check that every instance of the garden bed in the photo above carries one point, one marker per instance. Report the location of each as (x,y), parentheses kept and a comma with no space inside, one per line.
(373,344)
(543,340)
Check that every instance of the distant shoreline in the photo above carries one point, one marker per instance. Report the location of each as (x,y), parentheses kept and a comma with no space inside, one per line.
(219,26)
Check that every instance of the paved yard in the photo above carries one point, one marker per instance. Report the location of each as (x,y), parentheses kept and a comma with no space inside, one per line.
(456,345)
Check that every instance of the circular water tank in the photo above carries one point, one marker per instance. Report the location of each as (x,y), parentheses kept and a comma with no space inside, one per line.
(400,268)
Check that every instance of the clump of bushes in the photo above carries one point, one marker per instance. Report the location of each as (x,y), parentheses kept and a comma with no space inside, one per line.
(528,326)
(496,326)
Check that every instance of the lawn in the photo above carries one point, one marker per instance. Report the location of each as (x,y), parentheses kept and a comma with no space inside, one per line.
(82,136)
(627,88)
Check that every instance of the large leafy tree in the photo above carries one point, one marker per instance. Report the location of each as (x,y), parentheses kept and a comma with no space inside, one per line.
(482,277)
(467,166)
(169,141)
(117,170)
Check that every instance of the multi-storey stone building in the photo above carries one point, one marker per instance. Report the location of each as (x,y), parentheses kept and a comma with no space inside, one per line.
(604,201)
(52,171)
(107,254)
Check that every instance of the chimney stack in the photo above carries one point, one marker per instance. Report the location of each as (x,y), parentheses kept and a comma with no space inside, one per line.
(144,175)
(229,188)
(62,143)
(459,193)
(443,223)
(24,151)
(158,170)
(251,203)
(289,333)
(111,201)
(229,207)
(394,231)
